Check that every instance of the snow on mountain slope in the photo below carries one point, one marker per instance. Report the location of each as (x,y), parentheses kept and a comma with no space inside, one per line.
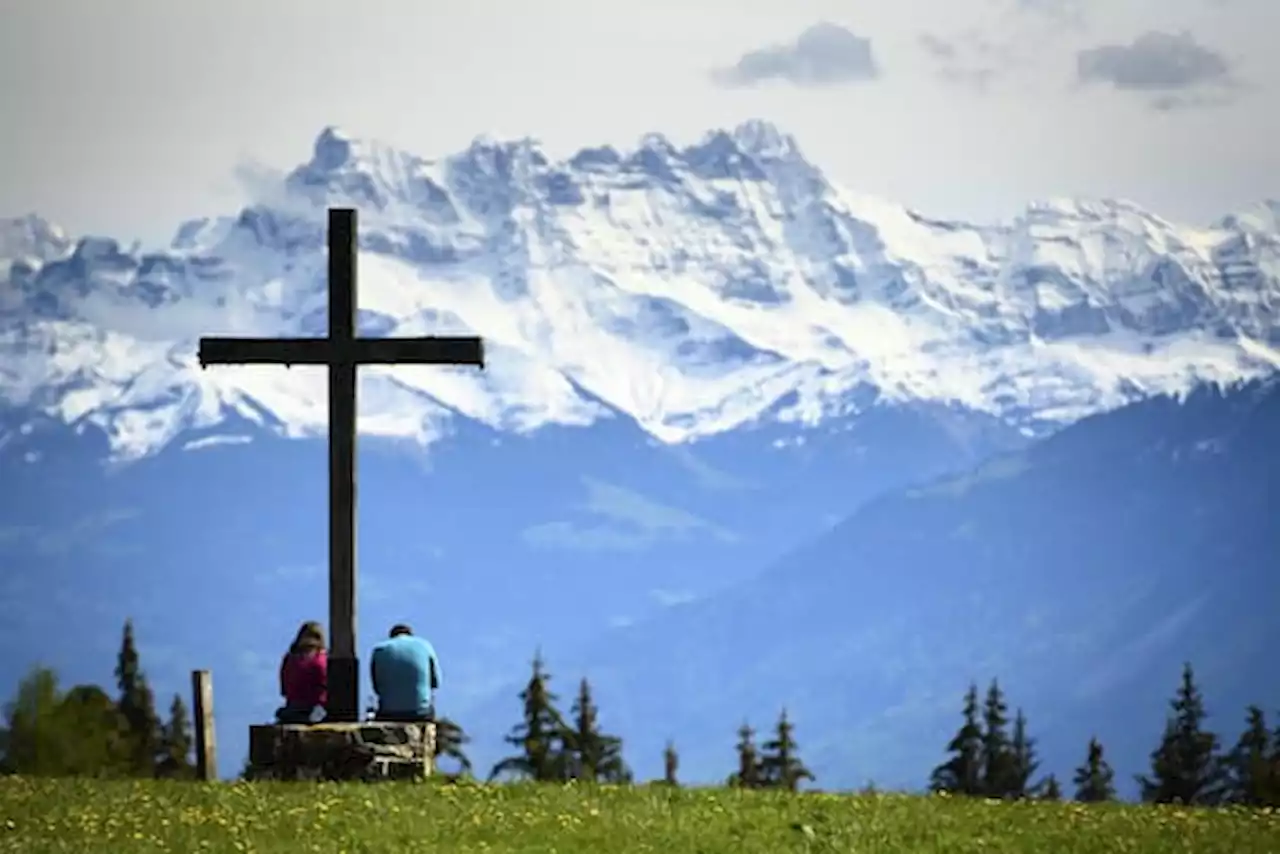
(693,290)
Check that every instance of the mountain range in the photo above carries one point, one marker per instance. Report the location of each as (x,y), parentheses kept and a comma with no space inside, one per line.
(1081,572)
(701,360)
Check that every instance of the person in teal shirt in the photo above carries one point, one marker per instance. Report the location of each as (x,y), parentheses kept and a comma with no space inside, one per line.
(405,672)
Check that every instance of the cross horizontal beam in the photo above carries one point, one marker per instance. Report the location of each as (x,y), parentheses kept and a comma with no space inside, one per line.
(360,351)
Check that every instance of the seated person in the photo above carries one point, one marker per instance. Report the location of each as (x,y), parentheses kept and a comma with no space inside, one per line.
(304,676)
(405,671)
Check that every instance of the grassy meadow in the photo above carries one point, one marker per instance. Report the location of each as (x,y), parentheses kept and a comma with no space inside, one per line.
(44,815)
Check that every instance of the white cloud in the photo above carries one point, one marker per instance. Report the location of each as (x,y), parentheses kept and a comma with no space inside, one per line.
(672,598)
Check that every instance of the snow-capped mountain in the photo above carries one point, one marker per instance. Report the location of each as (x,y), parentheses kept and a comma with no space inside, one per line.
(691,289)
(815,347)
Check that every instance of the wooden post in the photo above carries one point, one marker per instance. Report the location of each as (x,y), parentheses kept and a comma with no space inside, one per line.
(343,666)
(206,744)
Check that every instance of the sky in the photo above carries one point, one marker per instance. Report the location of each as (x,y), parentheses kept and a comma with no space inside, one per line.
(126,118)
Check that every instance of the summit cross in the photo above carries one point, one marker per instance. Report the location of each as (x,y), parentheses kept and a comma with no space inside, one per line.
(342,351)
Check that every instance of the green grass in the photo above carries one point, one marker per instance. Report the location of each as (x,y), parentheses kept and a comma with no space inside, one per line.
(86,816)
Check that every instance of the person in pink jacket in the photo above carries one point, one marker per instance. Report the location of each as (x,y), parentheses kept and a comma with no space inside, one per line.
(304,676)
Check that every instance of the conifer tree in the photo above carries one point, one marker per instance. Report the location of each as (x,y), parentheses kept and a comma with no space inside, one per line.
(961,774)
(451,741)
(1094,780)
(996,758)
(590,754)
(1185,767)
(748,774)
(137,706)
(1271,789)
(539,736)
(1050,790)
(780,763)
(1250,772)
(175,743)
(1022,763)
(670,763)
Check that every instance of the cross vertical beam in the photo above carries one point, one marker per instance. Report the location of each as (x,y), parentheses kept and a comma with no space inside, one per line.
(344,670)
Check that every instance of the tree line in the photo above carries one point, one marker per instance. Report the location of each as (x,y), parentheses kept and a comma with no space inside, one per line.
(993,757)
(550,747)
(85,732)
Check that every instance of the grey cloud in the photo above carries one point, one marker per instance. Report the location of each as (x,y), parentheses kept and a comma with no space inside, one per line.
(825,54)
(938,47)
(969,59)
(1015,38)
(1169,103)
(1155,62)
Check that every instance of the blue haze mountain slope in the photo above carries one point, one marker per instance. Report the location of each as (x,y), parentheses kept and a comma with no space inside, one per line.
(1081,572)
(492,545)
(702,357)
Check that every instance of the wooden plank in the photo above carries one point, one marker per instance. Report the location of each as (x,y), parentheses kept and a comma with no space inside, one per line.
(427,350)
(420,351)
(265,351)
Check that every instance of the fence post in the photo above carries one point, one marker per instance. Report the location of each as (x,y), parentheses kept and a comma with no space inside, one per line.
(206,745)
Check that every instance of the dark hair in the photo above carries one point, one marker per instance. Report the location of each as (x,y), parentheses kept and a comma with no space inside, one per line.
(310,639)
(400,629)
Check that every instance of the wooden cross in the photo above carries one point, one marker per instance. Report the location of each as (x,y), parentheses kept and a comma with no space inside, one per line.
(342,351)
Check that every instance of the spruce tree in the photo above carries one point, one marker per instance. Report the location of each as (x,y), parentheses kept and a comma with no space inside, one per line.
(748,774)
(1250,774)
(137,707)
(1185,768)
(1022,762)
(1094,780)
(961,774)
(996,758)
(539,736)
(1050,790)
(590,754)
(670,763)
(451,741)
(780,763)
(1271,787)
(175,743)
